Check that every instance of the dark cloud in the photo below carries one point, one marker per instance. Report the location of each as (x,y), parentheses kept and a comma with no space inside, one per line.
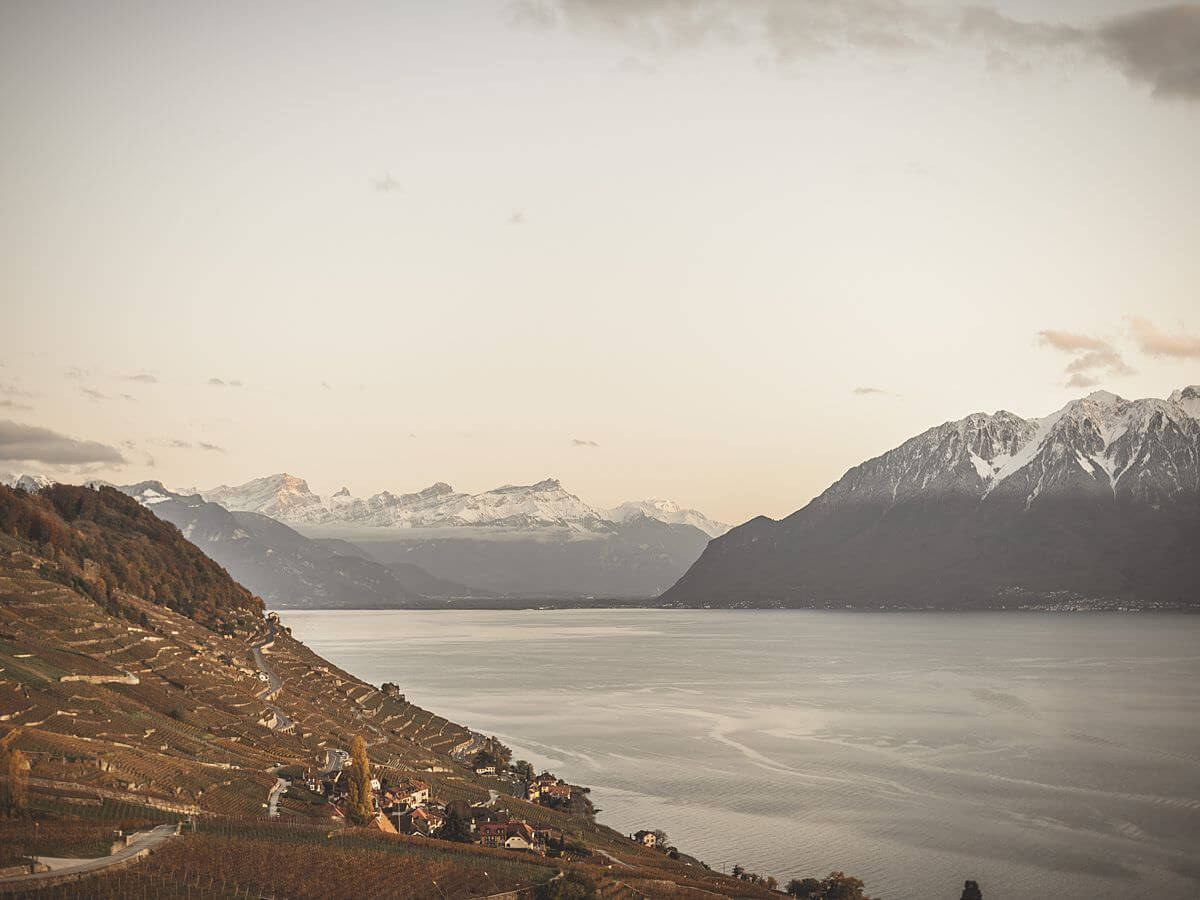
(1159,47)
(220,382)
(93,394)
(142,377)
(580,442)
(210,447)
(1153,342)
(33,444)
(216,382)
(1092,354)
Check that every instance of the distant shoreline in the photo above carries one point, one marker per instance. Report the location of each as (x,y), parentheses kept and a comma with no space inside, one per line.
(515,605)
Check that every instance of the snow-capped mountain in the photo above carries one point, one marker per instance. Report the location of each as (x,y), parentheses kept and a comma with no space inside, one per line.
(28,483)
(666,511)
(284,567)
(288,499)
(536,540)
(1099,499)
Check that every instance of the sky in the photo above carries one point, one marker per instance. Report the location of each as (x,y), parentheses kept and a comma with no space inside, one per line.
(714,251)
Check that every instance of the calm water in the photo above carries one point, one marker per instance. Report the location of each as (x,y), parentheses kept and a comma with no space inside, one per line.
(1043,755)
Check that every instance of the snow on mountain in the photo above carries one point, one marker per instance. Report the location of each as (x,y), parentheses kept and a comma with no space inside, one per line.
(666,511)
(1099,442)
(1100,499)
(28,483)
(288,499)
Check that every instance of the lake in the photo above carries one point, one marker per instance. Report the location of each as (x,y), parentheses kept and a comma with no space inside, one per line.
(1044,755)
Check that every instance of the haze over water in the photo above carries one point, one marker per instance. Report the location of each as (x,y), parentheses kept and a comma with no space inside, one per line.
(1043,755)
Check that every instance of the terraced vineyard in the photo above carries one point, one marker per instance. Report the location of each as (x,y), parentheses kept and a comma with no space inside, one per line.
(131,713)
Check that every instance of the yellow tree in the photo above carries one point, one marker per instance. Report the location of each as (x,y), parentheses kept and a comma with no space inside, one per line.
(360,802)
(18,780)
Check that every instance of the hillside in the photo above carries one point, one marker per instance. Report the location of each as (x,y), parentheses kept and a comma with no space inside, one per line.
(130,712)
(285,568)
(1095,505)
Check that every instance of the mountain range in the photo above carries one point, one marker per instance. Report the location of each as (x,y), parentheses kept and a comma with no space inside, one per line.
(1095,504)
(545,505)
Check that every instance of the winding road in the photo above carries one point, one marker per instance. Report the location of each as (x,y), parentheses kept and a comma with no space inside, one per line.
(283,722)
(143,843)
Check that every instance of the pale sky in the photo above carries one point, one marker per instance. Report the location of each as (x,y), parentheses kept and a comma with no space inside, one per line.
(707,250)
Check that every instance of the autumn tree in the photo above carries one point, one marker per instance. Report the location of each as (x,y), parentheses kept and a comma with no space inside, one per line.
(360,805)
(17,794)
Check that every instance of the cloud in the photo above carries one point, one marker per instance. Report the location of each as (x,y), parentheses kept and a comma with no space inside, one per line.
(869,391)
(1092,354)
(34,444)
(14,390)
(142,377)
(517,218)
(386,184)
(218,382)
(1159,47)
(95,395)
(13,404)
(76,373)
(580,442)
(1153,342)
(210,447)
(1070,341)
(129,397)
(326,385)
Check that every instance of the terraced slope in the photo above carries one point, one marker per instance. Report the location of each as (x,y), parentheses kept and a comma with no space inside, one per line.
(131,712)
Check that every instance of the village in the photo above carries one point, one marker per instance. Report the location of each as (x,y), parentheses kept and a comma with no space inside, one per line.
(405,804)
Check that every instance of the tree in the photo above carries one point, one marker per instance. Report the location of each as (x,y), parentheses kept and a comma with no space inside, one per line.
(840,886)
(18,781)
(571,886)
(772,883)
(524,768)
(455,827)
(802,887)
(660,838)
(738,871)
(360,805)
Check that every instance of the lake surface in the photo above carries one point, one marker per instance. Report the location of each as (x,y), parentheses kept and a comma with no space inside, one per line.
(1042,755)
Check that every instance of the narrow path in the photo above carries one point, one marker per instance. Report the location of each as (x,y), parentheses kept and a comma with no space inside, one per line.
(274,683)
(145,843)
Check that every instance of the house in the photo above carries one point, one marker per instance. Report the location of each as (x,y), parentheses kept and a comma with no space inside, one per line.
(546,785)
(485,770)
(512,835)
(411,792)
(646,838)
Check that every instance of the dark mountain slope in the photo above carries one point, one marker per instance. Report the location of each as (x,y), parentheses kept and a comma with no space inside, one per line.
(287,569)
(1100,501)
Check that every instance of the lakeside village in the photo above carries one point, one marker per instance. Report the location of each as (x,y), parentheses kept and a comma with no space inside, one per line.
(404,804)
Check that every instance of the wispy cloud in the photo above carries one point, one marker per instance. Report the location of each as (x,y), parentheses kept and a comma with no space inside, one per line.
(143,377)
(873,392)
(1092,355)
(15,390)
(30,443)
(580,442)
(213,448)
(1158,47)
(93,394)
(1153,342)
(517,218)
(14,404)
(220,382)
(386,184)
